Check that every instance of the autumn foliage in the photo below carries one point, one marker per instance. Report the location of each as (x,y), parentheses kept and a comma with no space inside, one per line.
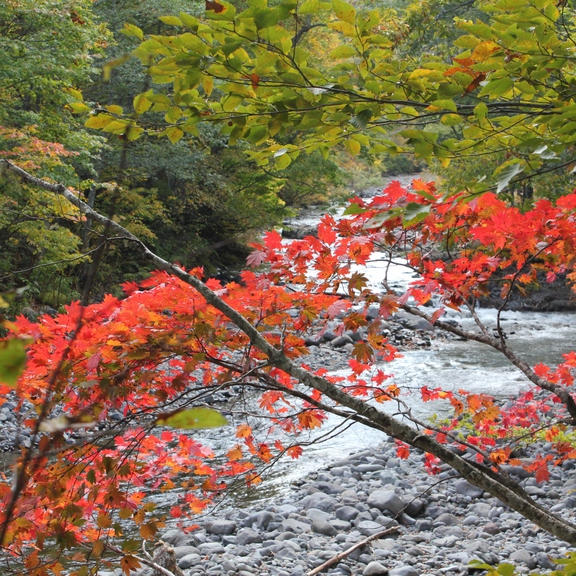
(99,380)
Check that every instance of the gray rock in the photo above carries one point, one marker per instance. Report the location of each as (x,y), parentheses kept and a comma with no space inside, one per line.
(524,557)
(347,513)
(404,571)
(329,487)
(386,501)
(388,477)
(363,468)
(318,515)
(466,489)
(321,501)
(220,526)
(448,519)
(211,548)
(263,519)
(481,509)
(286,509)
(174,537)
(369,527)
(181,551)
(324,527)
(189,560)
(374,569)
(341,525)
(544,561)
(248,536)
(414,506)
(341,341)
(293,525)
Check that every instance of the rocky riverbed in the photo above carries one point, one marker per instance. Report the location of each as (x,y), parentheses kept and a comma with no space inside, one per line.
(439,524)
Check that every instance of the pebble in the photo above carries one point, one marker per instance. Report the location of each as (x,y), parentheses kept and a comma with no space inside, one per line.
(331,511)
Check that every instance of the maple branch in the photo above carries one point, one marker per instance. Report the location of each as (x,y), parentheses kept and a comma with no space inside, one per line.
(510,493)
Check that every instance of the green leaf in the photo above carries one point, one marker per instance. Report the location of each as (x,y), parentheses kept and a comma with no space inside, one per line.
(192,419)
(283,162)
(445,105)
(481,111)
(141,104)
(414,213)
(354,209)
(12,360)
(506,173)
(343,52)
(174,134)
(171,20)
(189,21)
(344,11)
(131,30)
(506,569)
(309,7)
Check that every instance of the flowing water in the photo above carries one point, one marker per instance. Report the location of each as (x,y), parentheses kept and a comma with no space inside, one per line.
(452,365)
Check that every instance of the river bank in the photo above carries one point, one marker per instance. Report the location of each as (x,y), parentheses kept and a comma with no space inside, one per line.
(437,524)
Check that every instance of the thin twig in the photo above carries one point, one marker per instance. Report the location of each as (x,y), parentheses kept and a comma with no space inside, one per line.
(346,553)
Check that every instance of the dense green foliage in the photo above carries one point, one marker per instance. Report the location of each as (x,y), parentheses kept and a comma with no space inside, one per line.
(506,96)
(198,202)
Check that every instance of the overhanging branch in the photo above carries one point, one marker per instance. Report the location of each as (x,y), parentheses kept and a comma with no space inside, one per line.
(480,475)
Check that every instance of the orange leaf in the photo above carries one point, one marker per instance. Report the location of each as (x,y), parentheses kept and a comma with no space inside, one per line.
(129,563)
(234,454)
(309,419)
(243,431)
(294,452)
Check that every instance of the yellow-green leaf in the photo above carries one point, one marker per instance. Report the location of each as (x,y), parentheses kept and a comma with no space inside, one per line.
(344,11)
(193,418)
(141,104)
(98,121)
(171,20)
(353,146)
(114,109)
(174,134)
(309,7)
(343,52)
(131,30)
(78,107)
(12,360)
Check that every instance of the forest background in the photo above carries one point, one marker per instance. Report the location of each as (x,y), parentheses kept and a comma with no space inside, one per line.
(197,202)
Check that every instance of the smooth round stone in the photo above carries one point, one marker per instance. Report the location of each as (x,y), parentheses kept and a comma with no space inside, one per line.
(448,519)
(375,569)
(347,513)
(188,561)
(368,527)
(220,527)
(524,557)
(248,536)
(466,489)
(404,571)
(324,527)
(385,500)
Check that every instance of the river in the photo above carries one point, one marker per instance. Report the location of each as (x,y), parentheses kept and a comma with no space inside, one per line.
(452,365)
